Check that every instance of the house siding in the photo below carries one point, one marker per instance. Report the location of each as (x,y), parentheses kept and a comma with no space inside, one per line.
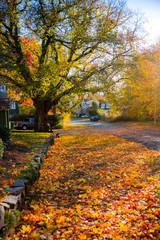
(85,104)
(14,110)
(5,104)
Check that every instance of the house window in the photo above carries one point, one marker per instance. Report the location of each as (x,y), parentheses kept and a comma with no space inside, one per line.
(3,91)
(103,105)
(3,88)
(13,105)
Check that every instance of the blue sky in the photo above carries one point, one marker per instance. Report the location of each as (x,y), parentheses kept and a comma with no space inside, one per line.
(151,11)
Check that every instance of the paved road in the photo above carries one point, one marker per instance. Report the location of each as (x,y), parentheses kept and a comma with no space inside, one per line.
(150,138)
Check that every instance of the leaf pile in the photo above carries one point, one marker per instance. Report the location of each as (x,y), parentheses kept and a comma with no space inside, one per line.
(94,186)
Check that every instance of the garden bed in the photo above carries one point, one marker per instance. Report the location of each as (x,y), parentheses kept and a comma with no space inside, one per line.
(18,155)
(14,159)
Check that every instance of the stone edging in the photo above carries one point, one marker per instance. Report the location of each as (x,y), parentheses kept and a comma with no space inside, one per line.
(9,208)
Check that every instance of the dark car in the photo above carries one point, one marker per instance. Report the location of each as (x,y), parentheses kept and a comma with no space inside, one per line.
(28,123)
(94,118)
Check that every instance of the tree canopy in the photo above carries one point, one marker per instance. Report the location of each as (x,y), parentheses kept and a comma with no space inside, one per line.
(51,49)
(141,88)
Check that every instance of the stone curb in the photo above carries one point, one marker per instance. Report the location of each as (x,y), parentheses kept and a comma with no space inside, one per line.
(11,205)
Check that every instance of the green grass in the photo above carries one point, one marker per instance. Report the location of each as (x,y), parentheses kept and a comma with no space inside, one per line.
(28,138)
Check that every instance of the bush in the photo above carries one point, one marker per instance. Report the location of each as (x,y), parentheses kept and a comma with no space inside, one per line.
(11,218)
(55,121)
(1,148)
(121,118)
(30,174)
(5,133)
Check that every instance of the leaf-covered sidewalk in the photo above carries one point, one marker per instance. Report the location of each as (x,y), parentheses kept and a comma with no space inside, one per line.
(94,186)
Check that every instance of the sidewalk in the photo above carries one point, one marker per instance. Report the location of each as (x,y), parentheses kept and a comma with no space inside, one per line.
(94,186)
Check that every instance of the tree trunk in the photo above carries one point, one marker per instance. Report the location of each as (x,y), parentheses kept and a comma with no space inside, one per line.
(42,108)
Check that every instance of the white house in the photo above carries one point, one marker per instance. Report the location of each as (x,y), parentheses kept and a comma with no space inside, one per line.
(85,104)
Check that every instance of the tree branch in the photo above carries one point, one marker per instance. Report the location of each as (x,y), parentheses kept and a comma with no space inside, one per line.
(7,79)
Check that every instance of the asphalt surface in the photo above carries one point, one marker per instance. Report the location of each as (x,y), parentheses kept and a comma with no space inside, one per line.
(150,138)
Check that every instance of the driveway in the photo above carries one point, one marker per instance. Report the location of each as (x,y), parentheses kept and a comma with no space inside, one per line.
(150,138)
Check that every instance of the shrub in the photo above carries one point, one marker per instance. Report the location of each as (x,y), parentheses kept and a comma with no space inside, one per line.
(5,133)
(55,121)
(30,174)
(121,118)
(1,148)
(11,218)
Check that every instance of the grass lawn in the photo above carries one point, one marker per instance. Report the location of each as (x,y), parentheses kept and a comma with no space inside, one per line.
(28,139)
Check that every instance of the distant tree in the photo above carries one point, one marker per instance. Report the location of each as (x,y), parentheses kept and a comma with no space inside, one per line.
(26,107)
(52,49)
(141,90)
(69,104)
(93,110)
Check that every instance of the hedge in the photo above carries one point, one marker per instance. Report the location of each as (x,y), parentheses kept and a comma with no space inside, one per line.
(5,133)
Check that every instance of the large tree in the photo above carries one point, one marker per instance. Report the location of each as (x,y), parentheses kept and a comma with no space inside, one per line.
(54,48)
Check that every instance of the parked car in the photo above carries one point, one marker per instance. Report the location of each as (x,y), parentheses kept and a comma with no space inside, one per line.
(85,116)
(28,123)
(94,118)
